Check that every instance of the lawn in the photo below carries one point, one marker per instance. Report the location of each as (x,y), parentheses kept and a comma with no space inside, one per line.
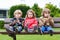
(32,37)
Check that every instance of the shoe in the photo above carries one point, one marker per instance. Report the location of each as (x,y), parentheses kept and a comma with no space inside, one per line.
(51,33)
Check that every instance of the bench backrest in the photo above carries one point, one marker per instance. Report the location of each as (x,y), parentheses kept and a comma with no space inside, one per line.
(56,22)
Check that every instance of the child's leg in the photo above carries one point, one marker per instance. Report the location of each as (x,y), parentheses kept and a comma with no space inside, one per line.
(19,28)
(10,31)
(42,28)
(50,30)
(35,28)
(32,29)
(11,28)
(39,29)
(26,29)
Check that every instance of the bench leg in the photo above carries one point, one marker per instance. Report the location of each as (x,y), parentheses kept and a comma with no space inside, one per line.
(11,34)
(14,37)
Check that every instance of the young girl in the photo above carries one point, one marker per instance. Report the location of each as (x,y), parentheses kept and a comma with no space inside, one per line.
(30,23)
(46,22)
(16,22)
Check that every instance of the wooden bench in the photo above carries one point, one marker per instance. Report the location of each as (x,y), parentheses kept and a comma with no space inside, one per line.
(56,22)
(56,25)
(8,20)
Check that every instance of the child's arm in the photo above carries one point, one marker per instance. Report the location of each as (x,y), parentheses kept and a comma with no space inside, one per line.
(51,21)
(18,21)
(12,22)
(41,22)
(22,22)
(25,23)
(35,23)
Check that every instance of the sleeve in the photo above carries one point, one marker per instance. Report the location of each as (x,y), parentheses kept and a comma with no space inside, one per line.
(12,20)
(40,22)
(22,22)
(25,22)
(22,19)
(51,22)
(34,23)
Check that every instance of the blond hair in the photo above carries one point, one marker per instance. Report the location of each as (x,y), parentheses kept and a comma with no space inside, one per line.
(18,12)
(45,10)
(30,10)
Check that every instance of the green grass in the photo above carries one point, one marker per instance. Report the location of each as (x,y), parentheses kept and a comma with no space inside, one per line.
(31,37)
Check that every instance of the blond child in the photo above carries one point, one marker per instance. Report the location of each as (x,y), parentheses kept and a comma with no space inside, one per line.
(46,22)
(30,24)
(16,22)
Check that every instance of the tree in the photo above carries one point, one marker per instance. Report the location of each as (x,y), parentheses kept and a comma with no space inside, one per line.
(37,10)
(54,10)
(22,7)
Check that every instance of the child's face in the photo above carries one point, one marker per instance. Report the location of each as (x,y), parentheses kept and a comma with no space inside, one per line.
(17,15)
(46,14)
(30,14)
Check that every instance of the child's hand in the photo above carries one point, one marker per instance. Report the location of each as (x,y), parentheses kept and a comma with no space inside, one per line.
(14,22)
(18,21)
(49,17)
(26,24)
(34,25)
(47,21)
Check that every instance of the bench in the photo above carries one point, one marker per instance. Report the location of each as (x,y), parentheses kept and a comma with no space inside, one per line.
(7,21)
(56,22)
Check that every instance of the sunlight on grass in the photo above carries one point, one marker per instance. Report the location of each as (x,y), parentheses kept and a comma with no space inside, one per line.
(31,37)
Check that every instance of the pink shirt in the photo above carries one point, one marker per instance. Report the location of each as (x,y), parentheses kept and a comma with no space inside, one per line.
(29,22)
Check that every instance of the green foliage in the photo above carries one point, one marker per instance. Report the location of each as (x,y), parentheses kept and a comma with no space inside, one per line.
(1,24)
(37,10)
(55,12)
(22,7)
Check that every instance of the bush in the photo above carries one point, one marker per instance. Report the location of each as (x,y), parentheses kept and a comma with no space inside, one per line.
(37,10)
(1,24)
(55,12)
(22,7)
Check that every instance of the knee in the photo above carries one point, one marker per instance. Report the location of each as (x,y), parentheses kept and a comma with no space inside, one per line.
(30,30)
(35,27)
(19,28)
(25,28)
(50,29)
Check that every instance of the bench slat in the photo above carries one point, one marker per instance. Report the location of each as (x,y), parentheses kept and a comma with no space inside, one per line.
(56,25)
(29,33)
(7,20)
(55,19)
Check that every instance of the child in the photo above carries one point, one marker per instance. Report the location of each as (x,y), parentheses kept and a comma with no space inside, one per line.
(16,22)
(30,23)
(46,22)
